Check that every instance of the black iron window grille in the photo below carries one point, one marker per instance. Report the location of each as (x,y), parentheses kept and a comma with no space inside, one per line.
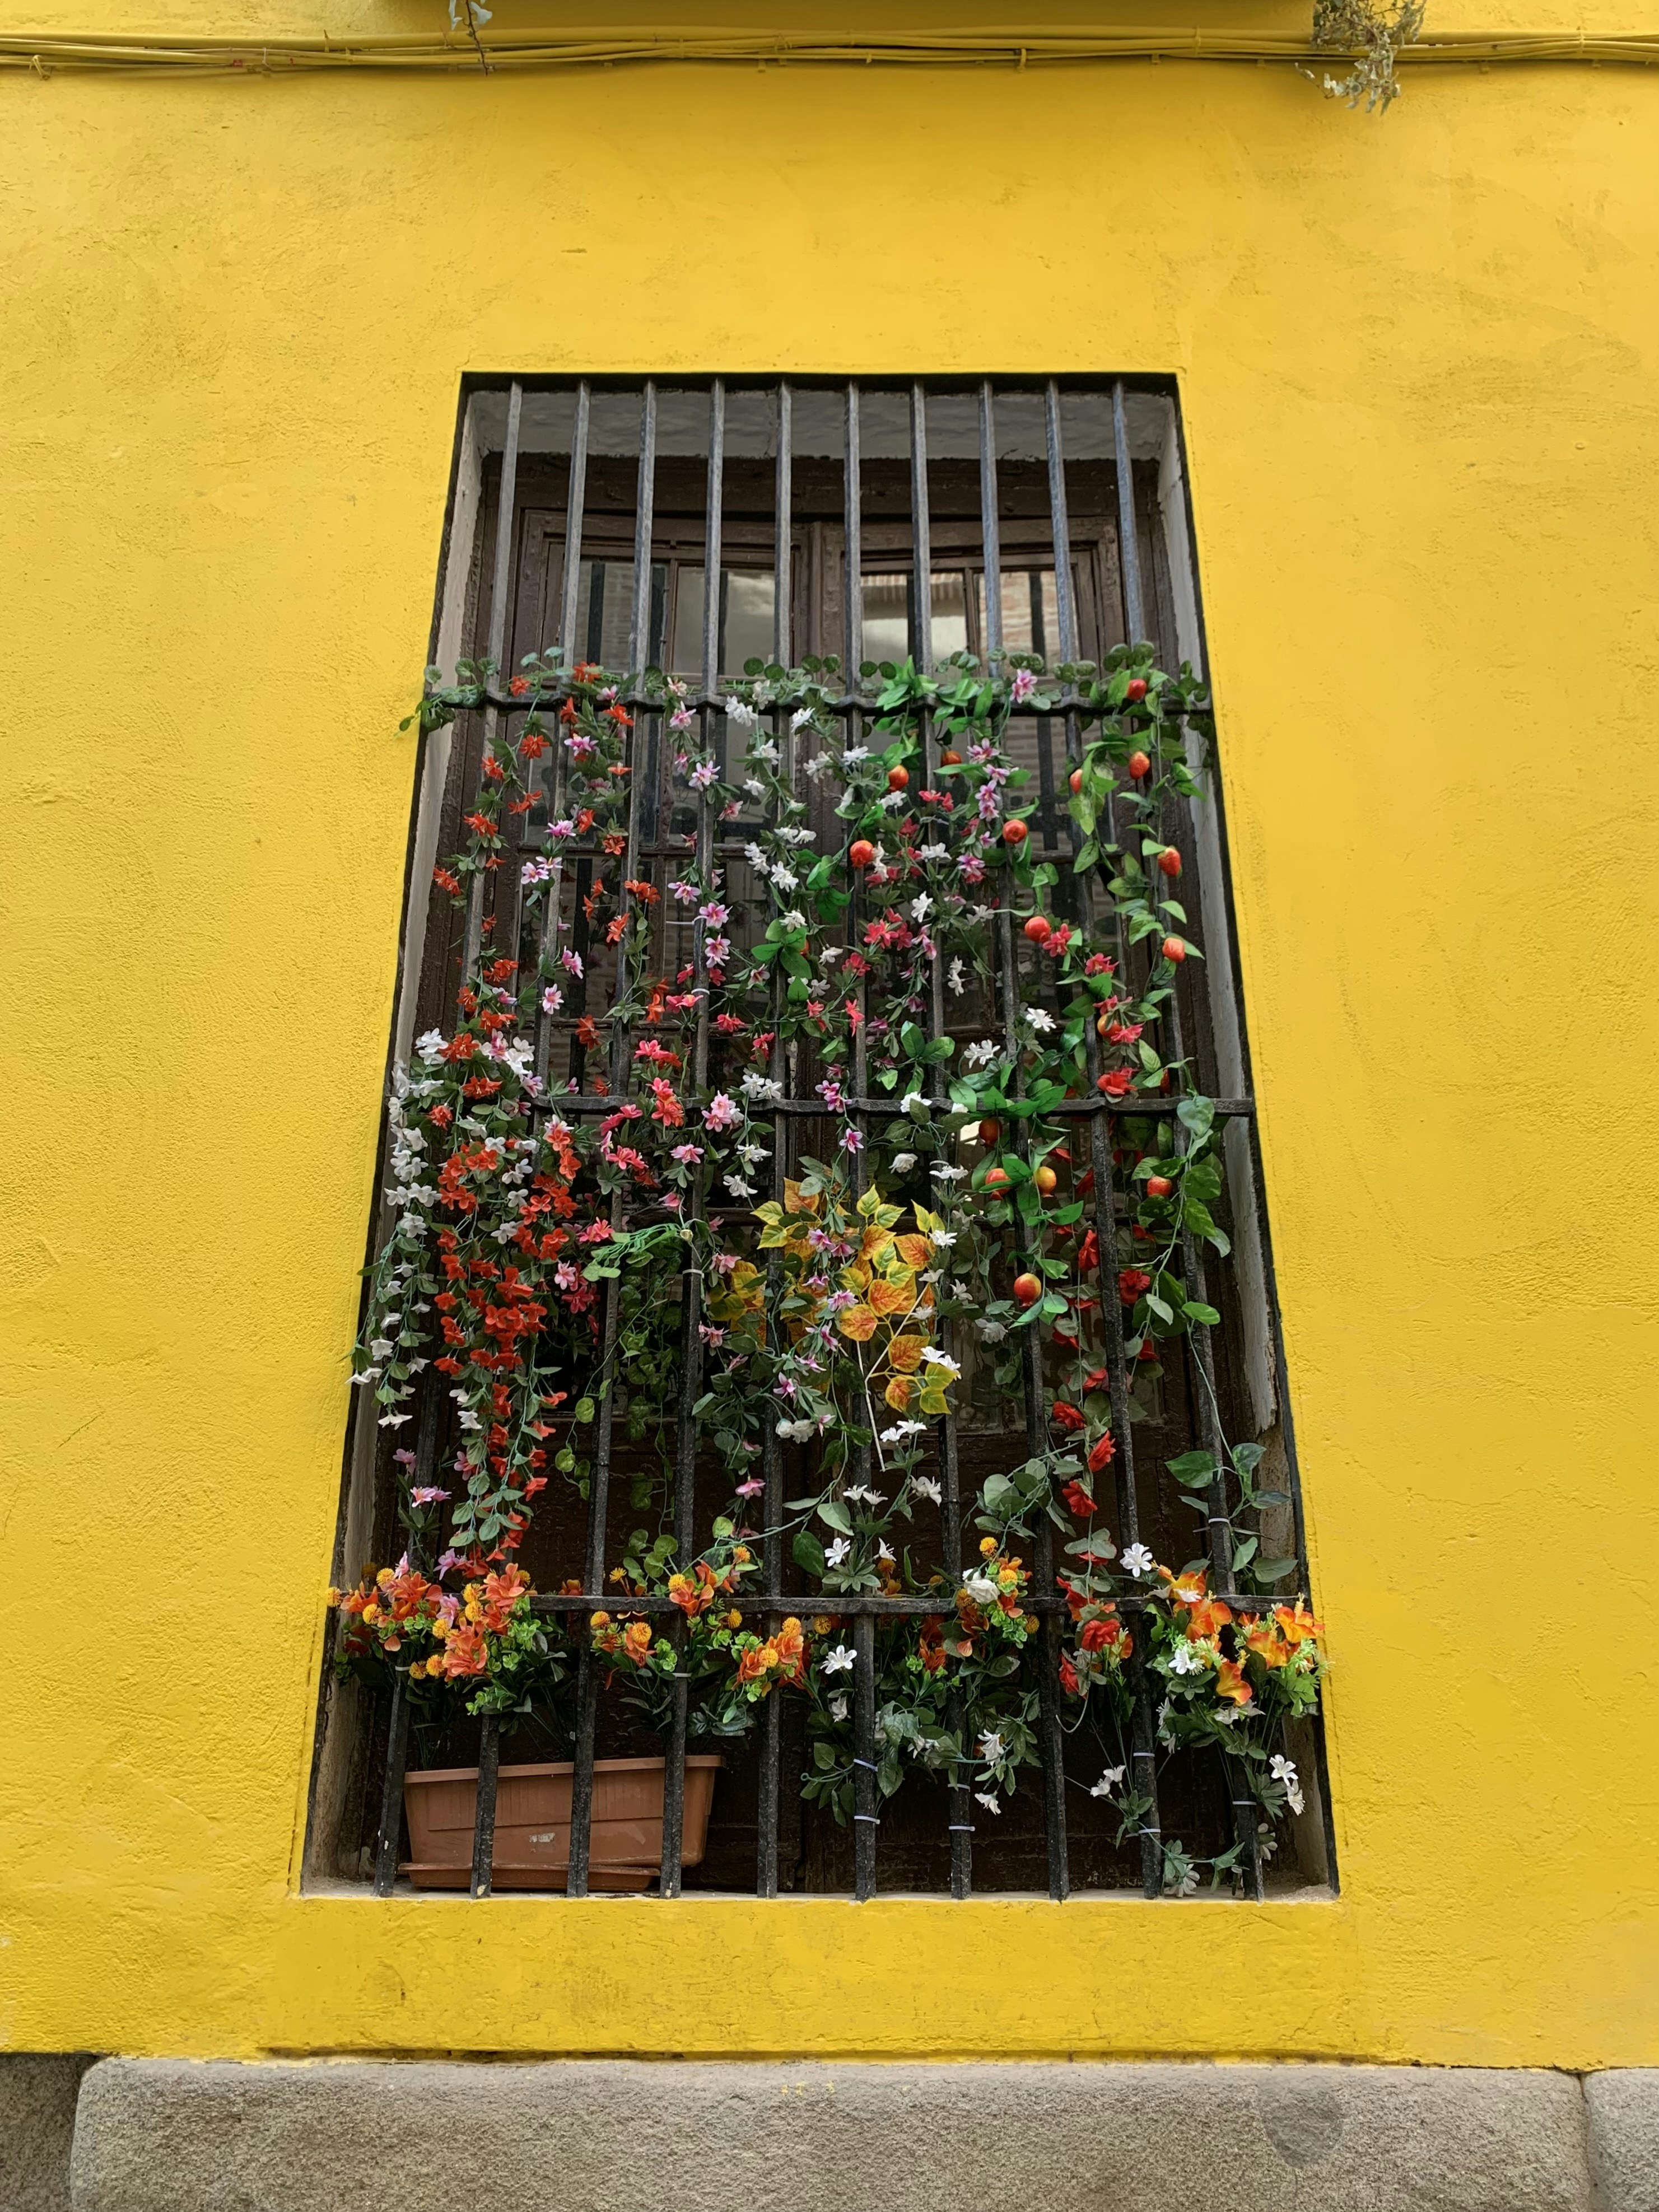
(695,530)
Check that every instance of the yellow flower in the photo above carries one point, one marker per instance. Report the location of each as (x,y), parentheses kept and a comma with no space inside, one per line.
(986,1544)
(599,1620)
(734,1619)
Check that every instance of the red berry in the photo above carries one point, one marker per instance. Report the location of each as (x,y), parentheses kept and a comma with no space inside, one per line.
(1169,860)
(1138,764)
(1137,690)
(861,853)
(997,1180)
(950,757)
(1174,950)
(989,1132)
(1038,929)
(1077,779)
(897,778)
(1159,1186)
(1014,833)
(1028,1289)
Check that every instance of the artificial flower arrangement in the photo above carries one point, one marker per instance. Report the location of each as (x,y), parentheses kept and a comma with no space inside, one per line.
(827,1313)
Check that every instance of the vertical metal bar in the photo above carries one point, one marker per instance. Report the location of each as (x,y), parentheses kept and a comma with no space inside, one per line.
(685,1448)
(853,496)
(639,627)
(1105,1211)
(391,1789)
(922,537)
(711,556)
(1047,1659)
(576,499)
(783,524)
(865,1819)
(483,1823)
(1061,528)
(989,522)
(1129,542)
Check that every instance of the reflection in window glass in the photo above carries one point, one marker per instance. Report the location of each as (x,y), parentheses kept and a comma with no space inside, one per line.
(747,597)
(887,616)
(1030,619)
(605,609)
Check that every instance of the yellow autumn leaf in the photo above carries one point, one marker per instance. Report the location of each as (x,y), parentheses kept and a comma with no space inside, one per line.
(771,1212)
(927,1222)
(893,1297)
(795,1203)
(915,1251)
(855,1277)
(904,1353)
(869,1203)
(933,1398)
(858,1322)
(898,1392)
(885,1216)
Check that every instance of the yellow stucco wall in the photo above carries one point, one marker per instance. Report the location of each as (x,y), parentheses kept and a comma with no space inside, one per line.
(1418,363)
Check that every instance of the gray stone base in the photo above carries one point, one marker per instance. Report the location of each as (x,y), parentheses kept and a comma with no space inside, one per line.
(170,2136)
(37,2120)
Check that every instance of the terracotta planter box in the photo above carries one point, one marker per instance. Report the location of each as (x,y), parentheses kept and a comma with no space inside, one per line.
(532,1824)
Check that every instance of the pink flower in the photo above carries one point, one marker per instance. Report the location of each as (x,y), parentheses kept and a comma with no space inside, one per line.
(552,999)
(851,1141)
(428,1497)
(573,961)
(722,1112)
(687,1155)
(1025,685)
(753,1488)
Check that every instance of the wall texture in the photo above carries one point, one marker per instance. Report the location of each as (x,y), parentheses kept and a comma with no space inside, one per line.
(1416,361)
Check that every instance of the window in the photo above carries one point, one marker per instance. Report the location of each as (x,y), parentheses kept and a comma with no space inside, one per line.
(1048,520)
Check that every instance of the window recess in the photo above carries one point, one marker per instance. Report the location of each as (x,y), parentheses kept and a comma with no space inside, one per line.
(877,522)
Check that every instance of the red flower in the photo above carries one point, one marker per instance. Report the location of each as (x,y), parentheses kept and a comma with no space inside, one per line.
(1066,1416)
(1068,1681)
(445,881)
(1100,1635)
(1117,1084)
(1102,1454)
(1078,1500)
(1131,1283)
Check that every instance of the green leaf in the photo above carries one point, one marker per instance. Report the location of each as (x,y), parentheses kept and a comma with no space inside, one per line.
(1205,1315)
(1191,1466)
(832,1511)
(809,1552)
(1197,1116)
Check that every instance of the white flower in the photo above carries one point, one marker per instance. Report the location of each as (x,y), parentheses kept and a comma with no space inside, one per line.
(754,787)
(990,1331)
(932,851)
(756,860)
(1137,1560)
(740,712)
(853,755)
(956,976)
(392,1421)
(991,1745)
(941,1359)
(943,1239)
(752,1155)
(763,750)
(761,1089)
(981,1588)
(892,800)
(1187,1883)
(980,1054)
(838,1706)
(840,1661)
(783,879)
(793,920)
(1038,1019)
(989,1799)
(1108,1782)
(381,1348)
(925,1486)
(1284,1770)
(739,1186)
(903,1161)
(431,1046)
(1186,1659)
(801,718)
(920,907)
(898,1432)
(864,1496)
(944,1172)
(797,1432)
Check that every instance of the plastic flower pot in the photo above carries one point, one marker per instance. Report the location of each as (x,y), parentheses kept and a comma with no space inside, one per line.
(532,1823)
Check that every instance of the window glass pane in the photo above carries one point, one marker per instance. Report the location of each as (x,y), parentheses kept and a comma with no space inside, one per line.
(887,618)
(887,615)
(950,614)
(604,611)
(1030,618)
(746,625)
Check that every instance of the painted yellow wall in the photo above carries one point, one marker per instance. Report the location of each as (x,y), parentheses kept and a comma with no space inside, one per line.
(1418,362)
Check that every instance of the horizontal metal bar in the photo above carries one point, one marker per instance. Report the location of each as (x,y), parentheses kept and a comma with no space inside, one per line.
(942,1601)
(812,1109)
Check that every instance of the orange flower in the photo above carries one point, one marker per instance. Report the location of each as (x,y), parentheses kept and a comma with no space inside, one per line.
(1296,1624)
(1208,1617)
(1262,1638)
(465,1653)
(1230,1682)
(1184,1589)
(637,1640)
